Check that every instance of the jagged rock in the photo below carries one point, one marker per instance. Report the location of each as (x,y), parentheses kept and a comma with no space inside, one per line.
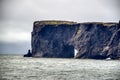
(59,39)
(28,54)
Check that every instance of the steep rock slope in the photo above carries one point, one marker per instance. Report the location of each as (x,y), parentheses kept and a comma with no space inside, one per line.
(59,39)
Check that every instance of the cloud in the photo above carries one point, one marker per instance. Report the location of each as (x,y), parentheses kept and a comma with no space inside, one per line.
(14,32)
(15,37)
(17,16)
(77,10)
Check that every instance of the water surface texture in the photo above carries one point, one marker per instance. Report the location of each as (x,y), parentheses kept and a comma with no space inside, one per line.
(20,68)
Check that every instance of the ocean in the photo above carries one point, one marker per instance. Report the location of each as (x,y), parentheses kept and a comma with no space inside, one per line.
(17,67)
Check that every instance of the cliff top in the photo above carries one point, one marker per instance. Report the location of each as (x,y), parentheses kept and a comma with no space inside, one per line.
(102,23)
(53,22)
(58,22)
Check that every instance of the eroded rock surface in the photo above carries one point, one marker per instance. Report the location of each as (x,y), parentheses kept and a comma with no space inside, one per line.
(59,39)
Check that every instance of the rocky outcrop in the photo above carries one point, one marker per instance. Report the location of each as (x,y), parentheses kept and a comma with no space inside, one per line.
(59,39)
(29,54)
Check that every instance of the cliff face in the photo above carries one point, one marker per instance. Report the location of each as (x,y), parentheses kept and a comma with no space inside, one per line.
(59,39)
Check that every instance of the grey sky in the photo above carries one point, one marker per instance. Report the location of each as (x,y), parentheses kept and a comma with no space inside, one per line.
(17,17)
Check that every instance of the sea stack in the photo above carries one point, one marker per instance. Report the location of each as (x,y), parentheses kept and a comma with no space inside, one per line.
(60,39)
(28,54)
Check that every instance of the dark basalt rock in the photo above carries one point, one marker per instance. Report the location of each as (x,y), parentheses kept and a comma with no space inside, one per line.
(29,54)
(58,39)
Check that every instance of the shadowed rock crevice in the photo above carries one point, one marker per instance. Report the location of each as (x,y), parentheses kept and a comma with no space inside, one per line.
(59,39)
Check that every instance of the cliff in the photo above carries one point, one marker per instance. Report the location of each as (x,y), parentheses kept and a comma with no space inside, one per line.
(60,39)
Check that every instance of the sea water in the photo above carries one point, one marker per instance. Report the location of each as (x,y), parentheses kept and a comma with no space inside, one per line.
(23,68)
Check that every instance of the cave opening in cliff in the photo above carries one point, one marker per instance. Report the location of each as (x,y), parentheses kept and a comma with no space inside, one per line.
(75,52)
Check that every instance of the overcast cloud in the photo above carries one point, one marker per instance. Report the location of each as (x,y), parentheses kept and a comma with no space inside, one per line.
(17,17)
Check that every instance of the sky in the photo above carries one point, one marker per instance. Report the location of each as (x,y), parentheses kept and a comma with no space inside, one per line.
(17,17)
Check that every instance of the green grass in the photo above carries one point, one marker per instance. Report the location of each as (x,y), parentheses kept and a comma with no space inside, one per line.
(53,22)
(57,22)
(109,24)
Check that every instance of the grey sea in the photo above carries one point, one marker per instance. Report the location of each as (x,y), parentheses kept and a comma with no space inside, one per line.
(17,67)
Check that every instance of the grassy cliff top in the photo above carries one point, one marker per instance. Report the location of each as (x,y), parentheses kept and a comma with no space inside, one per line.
(53,22)
(58,22)
(102,23)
